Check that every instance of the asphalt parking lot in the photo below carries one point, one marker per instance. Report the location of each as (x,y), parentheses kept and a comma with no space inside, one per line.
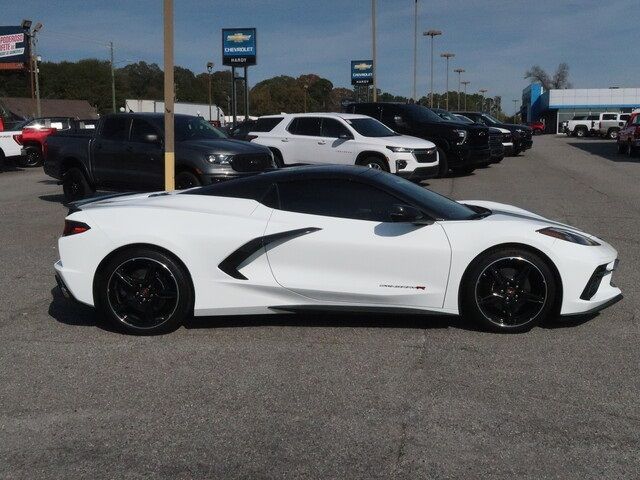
(327,396)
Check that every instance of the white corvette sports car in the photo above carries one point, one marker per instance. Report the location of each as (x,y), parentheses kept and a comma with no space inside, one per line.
(326,238)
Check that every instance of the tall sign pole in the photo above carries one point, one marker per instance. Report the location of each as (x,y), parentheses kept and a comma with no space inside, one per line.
(459,71)
(447,56)
(169,139)
(239,50)
(431,33)
(415,49)
(373,52)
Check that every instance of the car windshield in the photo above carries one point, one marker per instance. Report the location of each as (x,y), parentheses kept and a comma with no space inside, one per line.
(196,128)
(418,113)
(490,119)
(369,127)
(463,119)
(450,117)
(439,206)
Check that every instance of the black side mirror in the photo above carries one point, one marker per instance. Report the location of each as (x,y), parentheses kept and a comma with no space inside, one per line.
(398,120)
(408,214)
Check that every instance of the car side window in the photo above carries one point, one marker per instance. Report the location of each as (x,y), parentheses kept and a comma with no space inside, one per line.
(337,198)
(307,126)
(332,128)
(115,128)
(140,129)
(609,116)
(624,117)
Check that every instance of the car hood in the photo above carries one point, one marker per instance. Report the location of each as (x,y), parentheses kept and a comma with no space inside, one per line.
(406,141)
(222,145)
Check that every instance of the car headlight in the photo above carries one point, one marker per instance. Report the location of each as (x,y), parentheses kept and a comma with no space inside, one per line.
(462,136)
(400,149)
(220,159)
(568,236)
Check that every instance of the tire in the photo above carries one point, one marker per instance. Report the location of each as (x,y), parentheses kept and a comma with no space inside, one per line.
(32,159)
(622,147)
(537,132)
(443,164)
(498,160)
(75,185)
(581,132)
(463,170)
(496,297)
(612,133)
(143,291)
(2,159)
(186,179)
(631,150)
(375,163)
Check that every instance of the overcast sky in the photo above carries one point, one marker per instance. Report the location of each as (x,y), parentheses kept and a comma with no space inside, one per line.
(494,40)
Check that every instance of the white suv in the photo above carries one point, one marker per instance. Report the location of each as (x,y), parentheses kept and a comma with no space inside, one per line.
(346,139)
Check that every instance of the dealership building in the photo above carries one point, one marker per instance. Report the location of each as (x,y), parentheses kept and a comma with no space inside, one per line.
(557,105)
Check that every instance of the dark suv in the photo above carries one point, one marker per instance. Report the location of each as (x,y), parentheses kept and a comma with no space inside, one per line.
(461,147)
(522,135)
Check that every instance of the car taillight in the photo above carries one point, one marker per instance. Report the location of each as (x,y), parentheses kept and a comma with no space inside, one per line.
(251,137)
(18,138)
(71,227)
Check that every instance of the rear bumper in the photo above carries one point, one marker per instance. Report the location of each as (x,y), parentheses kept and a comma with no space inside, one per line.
(66,293)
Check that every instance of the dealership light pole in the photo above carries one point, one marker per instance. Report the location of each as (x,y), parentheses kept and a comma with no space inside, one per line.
(373,45)
(209,70)
(431,33)
(459,71)
(169,139)
(482,92)
(515,109)
(415,49)
(465,83)
(447,56)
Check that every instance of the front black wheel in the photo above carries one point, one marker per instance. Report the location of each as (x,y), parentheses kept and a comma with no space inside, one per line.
(508,290)
(33,157)
(443,164)
(75,185)
(622,147)
(186,180)
(144,291)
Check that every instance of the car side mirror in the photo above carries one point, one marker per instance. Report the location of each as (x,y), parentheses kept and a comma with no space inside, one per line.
(398,120)
(152,138)
(408,214)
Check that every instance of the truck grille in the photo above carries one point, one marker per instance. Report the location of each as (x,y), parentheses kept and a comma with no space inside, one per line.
(254,162)
(427,155)
(495,139)
(479,138)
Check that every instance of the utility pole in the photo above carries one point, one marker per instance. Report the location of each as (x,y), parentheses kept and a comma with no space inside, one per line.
(415,49)
(459,71)
(169,139)
(482,92)
(447,56)
(431,33)
(36,69)
(113,80)
(465,83)
(373,39)
(209,70)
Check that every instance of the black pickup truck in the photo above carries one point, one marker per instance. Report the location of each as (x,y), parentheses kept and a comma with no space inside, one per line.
(461,147)
(521,134)
(126,152)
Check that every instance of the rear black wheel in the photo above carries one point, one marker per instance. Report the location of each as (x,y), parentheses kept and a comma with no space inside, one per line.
(581,132)
(144,291)
(186,180)
(75,185)
(33,157)
(612,133)
(508,290)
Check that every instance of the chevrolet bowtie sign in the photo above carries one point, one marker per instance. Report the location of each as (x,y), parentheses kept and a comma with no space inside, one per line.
(361,72)
(239,46)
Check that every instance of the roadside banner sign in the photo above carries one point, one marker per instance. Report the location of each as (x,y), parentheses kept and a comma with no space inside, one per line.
(14,48)
(361,72)
(239,47)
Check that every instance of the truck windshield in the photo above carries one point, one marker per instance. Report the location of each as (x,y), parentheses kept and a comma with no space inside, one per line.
(418,113)
(191,128)
(369,127)
(490,119)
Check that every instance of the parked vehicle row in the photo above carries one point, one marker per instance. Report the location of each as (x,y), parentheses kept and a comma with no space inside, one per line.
(606,124)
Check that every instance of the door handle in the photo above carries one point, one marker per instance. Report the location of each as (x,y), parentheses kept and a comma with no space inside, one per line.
(322,142)
(284,140)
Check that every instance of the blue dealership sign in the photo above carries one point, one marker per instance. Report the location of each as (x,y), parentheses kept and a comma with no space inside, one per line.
(361,72)
(239,46)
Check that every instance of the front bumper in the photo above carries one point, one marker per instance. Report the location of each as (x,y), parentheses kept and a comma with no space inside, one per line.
(464,155)
(525,144)
(420,173)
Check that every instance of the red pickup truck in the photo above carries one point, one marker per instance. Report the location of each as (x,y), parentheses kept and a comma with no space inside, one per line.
(629,136)
(34,135)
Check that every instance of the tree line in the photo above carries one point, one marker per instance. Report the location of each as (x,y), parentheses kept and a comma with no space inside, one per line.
(90,79)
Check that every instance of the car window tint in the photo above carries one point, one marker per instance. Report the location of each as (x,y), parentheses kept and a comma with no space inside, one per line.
(140,129)
(609,116)
(624,117)
(254,188)
(115,128)
(337,198)
(333,128)
(265,124)
(309,126)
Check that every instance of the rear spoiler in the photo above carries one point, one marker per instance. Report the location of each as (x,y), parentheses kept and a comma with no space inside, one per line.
(78,204)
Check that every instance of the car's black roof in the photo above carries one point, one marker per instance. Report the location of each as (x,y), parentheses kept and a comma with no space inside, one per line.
(153,115)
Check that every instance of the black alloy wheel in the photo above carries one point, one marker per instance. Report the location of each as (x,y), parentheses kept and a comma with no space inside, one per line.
(33,158)
(75,185)
(144,291)
(186,180)
(509,291)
